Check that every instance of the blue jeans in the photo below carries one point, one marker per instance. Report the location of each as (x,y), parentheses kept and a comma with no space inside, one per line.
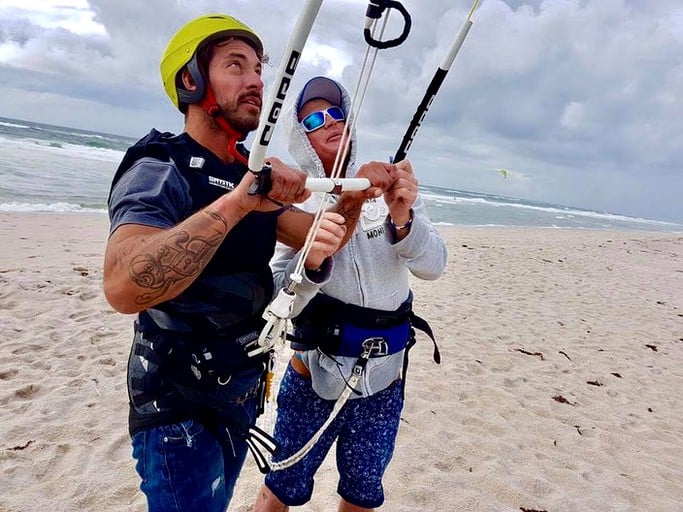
(185,467)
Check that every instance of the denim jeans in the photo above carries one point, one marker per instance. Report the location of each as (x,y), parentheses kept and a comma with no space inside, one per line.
(185,467)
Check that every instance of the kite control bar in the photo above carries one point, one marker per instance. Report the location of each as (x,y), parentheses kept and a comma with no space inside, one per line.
(262,184)
(337,185)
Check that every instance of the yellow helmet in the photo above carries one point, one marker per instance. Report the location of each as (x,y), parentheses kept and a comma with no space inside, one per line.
(181,51)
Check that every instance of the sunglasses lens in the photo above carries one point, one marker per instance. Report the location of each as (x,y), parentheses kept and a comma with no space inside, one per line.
(316,120)
(313,121)
(336,113)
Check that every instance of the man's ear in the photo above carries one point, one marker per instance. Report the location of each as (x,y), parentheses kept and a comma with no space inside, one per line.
(188,82)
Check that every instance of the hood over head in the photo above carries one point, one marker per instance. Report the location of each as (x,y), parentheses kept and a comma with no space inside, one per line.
(300,148)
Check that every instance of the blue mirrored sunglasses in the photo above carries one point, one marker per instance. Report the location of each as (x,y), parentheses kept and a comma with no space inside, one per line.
(316,120)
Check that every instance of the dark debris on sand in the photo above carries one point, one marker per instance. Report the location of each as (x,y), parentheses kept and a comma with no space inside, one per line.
(562,400)
(539,354)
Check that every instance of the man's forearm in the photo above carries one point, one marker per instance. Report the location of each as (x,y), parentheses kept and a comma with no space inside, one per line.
(171,261)
(294,224)
(144,267)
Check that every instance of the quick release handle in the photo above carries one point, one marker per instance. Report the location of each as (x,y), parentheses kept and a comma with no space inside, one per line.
(374,11)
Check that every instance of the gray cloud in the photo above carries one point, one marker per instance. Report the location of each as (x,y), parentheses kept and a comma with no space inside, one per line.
(578,99)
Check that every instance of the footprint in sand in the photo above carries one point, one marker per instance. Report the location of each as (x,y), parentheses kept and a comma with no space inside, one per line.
(8,304)
(27,391)
(108,361)
(29,349)
(86,296)
(82,316)
(8,374)
(40,365)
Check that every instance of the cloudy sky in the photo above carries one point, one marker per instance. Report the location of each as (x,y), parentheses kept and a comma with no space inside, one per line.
(581,101)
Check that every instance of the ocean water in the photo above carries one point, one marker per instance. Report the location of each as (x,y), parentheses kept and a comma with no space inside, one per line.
(45,168)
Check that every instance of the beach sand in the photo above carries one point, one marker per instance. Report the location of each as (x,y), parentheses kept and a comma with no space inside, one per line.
(559,387)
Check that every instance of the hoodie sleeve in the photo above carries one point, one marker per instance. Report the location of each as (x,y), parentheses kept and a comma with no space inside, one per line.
(284,263)
(423,250)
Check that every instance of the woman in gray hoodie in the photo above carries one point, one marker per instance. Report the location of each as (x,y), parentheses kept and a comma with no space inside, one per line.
(365,296)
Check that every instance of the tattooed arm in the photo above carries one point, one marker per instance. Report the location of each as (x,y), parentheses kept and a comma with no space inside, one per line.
(144,265)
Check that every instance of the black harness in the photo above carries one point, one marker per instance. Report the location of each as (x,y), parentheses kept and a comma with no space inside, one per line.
(195,342)
(340,329)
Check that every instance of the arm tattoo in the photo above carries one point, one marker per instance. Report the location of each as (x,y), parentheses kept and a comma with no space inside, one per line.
(181,256)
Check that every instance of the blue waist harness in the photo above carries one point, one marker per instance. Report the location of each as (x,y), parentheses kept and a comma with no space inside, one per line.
(340,329)
(337,328)
(389,339)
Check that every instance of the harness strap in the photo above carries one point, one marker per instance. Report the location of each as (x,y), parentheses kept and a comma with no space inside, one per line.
(147,353)
(421,323)
(161,402)
(339,328)
(149,383)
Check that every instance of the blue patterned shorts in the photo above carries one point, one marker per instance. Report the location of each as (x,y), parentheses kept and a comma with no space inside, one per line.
(365,431)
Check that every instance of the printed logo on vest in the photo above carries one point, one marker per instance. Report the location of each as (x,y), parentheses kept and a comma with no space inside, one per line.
(218,182)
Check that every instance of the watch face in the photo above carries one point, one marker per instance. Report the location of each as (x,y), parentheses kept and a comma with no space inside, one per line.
(373,214)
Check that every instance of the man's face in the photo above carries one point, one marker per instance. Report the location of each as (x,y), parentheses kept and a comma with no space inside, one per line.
(325,140)
(235,76)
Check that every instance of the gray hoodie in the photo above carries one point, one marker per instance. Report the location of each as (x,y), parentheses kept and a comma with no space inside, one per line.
(369,271)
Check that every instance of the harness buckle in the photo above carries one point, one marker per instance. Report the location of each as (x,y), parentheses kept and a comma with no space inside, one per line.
(376,346)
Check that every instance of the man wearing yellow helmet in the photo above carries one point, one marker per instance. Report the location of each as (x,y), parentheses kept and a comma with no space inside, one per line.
(188,252)
(185,64)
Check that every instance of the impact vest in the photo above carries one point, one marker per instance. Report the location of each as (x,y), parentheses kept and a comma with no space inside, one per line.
(196,339)
(237,283)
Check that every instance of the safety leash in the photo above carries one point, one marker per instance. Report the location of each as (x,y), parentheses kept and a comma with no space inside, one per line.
(259,441)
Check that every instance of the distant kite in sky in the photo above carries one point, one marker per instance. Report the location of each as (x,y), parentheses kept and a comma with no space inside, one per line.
(503,172)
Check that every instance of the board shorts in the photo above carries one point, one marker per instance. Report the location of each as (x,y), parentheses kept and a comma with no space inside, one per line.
(365,431)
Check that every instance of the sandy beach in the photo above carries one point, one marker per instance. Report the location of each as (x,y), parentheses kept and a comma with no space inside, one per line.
(559,388)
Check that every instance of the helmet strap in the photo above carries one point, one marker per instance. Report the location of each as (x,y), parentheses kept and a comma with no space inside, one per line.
(210,106)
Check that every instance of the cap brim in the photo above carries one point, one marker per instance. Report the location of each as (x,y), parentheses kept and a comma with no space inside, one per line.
(323,88)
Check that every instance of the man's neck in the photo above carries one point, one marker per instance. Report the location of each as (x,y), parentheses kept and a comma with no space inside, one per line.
(212,137)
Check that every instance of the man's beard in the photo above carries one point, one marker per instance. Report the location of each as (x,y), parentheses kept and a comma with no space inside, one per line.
(241,122)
